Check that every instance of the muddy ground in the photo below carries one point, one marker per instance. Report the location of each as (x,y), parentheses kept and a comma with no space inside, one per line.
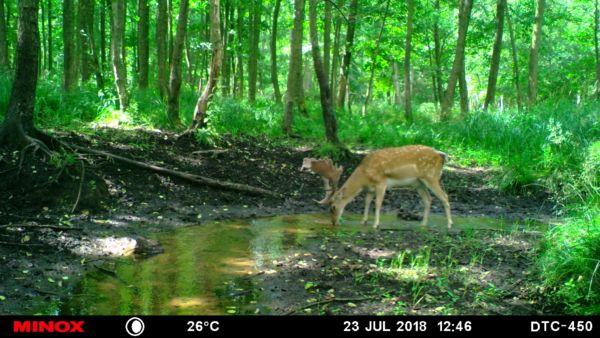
(46,248)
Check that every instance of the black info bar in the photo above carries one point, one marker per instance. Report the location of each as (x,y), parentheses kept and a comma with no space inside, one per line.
(328,326)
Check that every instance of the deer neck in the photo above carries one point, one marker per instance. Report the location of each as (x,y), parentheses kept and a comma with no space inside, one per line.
(352,187)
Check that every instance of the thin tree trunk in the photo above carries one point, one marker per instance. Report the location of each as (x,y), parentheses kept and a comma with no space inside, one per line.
(69,71)
(336,53)
(343,84)
(273,45)
(215,66)
(18,126)
(294,84)
(91,42)
(396,81)
(43,48)
(438,52)
(4,63)
(407,50)
(49,16)
(328,114)
(175,75)
(597,46)
(536,38)
(515,60)
(327,38)
(162,48)
(463,90)
(117,32)
(83,48)
(434,80)
(143,28)
(463,25)
(240,51)
(254,53)
(375,54)
(170,30)
(226,66)
(496,50)
(103,9)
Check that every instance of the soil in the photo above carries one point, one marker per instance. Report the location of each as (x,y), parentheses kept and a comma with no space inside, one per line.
(47,247)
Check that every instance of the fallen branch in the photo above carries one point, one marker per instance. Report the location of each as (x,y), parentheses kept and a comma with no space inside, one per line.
(40,226)
(210,151)
(20,244)
(322,302)
(186,176)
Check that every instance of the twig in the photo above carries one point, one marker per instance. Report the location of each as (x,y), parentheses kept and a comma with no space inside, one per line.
(327,302)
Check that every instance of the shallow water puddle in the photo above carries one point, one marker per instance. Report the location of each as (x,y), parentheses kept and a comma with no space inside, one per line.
(209,269)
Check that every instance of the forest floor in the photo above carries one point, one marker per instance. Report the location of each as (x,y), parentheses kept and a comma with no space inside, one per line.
(47,248)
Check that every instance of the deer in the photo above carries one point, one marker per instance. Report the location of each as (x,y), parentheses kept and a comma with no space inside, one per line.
(328,172)
(417,166)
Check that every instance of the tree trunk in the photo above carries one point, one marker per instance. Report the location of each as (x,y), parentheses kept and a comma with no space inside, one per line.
(327,38)
(69,71)
(375,54)
(597,46)
(85,19)
(438,52)
(226,66)
(103,9)
(463,90)
(254,53)
(50,57)
(274,77)
(396,81)
(343,83)
(407,50)
(142,43)
(536,38)
(175,75)
(328,114)
(169,30)
(88,56)
(495,65)
(513,47)
(215,66)
(336,53)
(294,84)
(161,48)
(18,126)
(117,32)
(240,51)
(434,80)
(4,63)
(463,25)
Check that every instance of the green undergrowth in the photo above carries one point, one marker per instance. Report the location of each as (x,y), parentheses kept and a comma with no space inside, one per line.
(553,147)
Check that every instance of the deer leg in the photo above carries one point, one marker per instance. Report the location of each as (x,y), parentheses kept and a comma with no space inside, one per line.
(426,198)
(328,190)
(434,186)
(368,200)
(379,194)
